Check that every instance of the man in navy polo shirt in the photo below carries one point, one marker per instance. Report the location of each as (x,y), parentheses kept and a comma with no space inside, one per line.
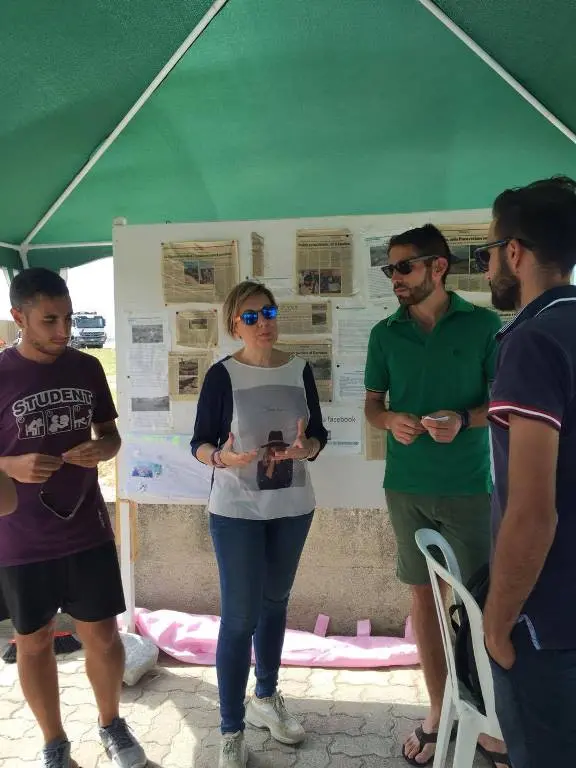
(530,614)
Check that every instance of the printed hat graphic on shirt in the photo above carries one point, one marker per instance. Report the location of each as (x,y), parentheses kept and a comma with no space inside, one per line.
(275,440)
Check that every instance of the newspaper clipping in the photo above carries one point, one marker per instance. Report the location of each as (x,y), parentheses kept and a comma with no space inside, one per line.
(186,374)
(324,262)
(257,255)
(463,239)
(304,318)
(199,271)
(375,257)
(375,442)
(319,355)
(148,355)
(198,328)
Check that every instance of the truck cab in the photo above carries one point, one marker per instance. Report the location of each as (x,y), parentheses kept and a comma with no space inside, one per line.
(88,331)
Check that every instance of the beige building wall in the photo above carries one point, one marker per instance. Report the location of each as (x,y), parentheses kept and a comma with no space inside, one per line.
(347,569)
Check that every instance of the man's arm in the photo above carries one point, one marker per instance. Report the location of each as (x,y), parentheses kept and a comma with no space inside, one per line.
(8,497)
(528,528)
(103,447)
(375,410)
(108,438)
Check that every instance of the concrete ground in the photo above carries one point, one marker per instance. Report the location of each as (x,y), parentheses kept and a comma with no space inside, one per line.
(354,719)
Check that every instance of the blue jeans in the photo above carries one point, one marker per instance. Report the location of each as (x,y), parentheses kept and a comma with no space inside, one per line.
(536,704)
(257,562)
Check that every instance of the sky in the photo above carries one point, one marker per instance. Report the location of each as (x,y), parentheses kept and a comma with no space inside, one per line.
(91,288)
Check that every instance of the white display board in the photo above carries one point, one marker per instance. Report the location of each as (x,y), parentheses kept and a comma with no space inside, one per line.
(342,477)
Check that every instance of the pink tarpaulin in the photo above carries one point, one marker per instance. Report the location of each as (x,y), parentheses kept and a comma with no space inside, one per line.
(192,639)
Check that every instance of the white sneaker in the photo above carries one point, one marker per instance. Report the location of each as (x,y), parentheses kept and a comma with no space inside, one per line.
(271,713)
(233,751)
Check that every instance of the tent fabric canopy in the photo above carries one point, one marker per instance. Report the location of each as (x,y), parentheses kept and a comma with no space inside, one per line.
(279,109)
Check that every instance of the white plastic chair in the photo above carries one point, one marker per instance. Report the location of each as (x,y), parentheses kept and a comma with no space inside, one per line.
(471,721)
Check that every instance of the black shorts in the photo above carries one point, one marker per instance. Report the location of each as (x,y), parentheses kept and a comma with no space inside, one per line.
(87,586)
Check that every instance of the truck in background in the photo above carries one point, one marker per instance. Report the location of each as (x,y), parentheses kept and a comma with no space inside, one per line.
(8,333)
(88,331)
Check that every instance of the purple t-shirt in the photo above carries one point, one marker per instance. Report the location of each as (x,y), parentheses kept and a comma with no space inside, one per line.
(49,409)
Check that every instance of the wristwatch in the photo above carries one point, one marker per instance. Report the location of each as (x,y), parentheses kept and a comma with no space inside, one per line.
(465,418)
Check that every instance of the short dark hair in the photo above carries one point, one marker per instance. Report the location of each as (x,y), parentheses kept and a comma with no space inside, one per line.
(543,216)
(29,284)
(428,241)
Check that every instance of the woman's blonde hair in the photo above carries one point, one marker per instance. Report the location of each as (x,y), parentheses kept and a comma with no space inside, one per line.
(237,296)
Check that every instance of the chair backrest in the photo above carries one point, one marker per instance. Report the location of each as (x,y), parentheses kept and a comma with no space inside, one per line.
(426,540)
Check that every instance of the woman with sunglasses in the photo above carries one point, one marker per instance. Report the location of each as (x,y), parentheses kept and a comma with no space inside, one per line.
(258,423)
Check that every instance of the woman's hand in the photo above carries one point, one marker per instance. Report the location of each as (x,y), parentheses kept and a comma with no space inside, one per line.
(229,457)
(302,448)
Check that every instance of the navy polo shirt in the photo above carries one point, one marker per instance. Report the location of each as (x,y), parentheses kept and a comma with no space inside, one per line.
(536,379)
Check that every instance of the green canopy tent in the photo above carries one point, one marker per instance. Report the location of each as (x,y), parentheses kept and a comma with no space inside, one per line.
(191,111)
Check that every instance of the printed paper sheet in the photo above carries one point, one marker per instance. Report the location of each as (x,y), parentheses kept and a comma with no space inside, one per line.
(463,239)
(344,426)
(353,327)
(199,271)
(375,257)
(161,467)
(257,255)
(150,414)
(304,318)
(349,381)
(198,328)
(375,442)
(186,373)
(319,355)
(324,262)
(148,355)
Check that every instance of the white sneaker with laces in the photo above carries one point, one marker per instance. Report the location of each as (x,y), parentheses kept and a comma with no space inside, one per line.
(233,751)
(271,713)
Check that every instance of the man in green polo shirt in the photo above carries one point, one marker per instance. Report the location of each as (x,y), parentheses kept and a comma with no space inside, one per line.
(432,362)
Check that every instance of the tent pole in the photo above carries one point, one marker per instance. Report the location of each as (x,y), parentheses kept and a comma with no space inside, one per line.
(214,9)
(493,64)
(49,246)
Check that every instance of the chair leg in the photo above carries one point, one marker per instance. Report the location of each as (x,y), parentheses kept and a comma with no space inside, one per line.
(447,719)
(466,741)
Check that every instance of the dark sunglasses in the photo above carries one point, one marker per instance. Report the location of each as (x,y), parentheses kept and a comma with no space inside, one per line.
(404,267)
(482,254)
(250,316)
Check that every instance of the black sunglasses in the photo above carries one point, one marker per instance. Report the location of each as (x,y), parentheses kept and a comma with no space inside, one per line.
(482,254)
(404,267)
(47,502)
(250,316)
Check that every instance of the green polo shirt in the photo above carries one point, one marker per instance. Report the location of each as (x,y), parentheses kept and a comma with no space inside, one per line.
(449,368)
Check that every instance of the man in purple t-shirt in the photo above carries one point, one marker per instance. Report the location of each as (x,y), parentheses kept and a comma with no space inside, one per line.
(57,551)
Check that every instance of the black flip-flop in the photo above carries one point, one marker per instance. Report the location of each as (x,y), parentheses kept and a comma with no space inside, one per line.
(496,758)
(423,739)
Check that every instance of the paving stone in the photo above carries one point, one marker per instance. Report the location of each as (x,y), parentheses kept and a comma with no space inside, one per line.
(354,719)
(293,689)
(362,745)
(271,759)
(15,728)
(297,674)
(88,753)
(343,761)
(314,723)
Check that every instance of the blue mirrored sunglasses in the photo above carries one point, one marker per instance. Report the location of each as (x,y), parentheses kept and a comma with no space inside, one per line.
(250,316)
